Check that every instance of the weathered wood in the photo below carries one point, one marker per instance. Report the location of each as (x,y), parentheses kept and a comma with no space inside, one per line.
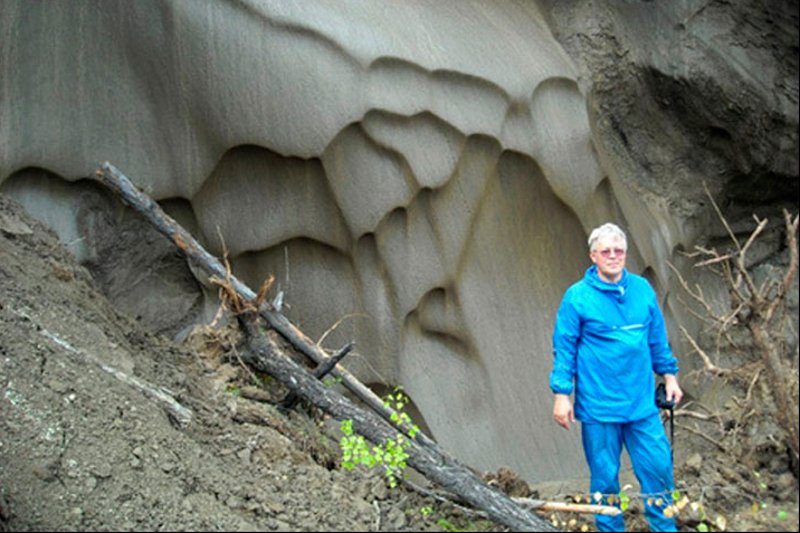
(323,368)
(567,507)
(115,180)
(320,372)
(265,356)
(426,456)
(530,503)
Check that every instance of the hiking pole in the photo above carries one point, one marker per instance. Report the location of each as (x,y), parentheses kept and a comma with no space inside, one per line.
(672,432)
(663,403)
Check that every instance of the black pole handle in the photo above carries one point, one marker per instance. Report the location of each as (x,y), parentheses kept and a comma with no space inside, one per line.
(663,403)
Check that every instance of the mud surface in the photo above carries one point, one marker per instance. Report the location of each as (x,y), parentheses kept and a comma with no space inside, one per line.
(92,435)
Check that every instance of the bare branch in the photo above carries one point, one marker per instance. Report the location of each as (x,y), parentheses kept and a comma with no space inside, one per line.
(337,324)
(741,263)
(697,294)
(714,260)
(754,307)
(699,433)
(791,269)
(721,217)
(761,224)
(711,367)
(693,414)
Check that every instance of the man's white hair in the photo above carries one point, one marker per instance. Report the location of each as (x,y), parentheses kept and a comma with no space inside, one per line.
(607,230)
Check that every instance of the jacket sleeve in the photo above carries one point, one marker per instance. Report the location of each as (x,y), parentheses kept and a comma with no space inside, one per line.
(664,362)
(566,335)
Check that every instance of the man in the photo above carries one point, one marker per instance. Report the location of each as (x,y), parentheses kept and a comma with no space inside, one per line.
(609,338)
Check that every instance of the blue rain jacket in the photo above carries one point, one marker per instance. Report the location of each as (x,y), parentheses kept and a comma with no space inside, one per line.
(608,340)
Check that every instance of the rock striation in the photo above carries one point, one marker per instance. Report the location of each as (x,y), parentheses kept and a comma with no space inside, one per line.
(419,177)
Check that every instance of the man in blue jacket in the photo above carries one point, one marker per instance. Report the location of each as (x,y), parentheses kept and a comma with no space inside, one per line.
(609,339)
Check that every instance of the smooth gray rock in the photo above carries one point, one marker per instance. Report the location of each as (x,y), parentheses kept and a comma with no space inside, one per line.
(419,177)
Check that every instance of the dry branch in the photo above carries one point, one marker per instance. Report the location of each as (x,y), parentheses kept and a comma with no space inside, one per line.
(320,372)
(425,455)
(530,503)
(567,507)
(699,433)
(759,309)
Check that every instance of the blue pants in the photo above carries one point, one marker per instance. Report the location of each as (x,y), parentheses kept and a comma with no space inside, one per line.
(649,450)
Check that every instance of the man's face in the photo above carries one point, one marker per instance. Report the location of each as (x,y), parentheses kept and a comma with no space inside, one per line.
(609,256)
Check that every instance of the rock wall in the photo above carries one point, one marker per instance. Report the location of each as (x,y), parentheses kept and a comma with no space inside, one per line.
(419,176)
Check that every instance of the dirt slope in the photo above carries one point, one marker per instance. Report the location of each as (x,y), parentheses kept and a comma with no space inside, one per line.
(85,443)
(82,448)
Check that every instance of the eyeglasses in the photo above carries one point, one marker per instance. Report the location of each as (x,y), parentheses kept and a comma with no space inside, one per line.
(619,252)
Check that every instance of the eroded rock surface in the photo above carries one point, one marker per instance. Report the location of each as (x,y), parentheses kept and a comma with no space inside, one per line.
(424,172)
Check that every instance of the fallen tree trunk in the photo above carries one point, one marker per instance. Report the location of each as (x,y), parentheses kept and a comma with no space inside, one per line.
(265,356)
(425,455)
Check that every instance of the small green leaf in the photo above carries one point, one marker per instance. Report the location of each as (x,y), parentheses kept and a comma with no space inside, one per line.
(623,500)
(782,515)
(702,526)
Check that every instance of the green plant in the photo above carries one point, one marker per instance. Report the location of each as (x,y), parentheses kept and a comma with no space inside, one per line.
(330,381)
(391,454)
(448,525)
(624,500)
(398,401)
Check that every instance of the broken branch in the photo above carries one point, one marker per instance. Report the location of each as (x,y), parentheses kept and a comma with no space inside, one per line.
(320,372)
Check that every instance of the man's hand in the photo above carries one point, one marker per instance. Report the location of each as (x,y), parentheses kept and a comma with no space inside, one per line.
(562,410)
(674,392)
